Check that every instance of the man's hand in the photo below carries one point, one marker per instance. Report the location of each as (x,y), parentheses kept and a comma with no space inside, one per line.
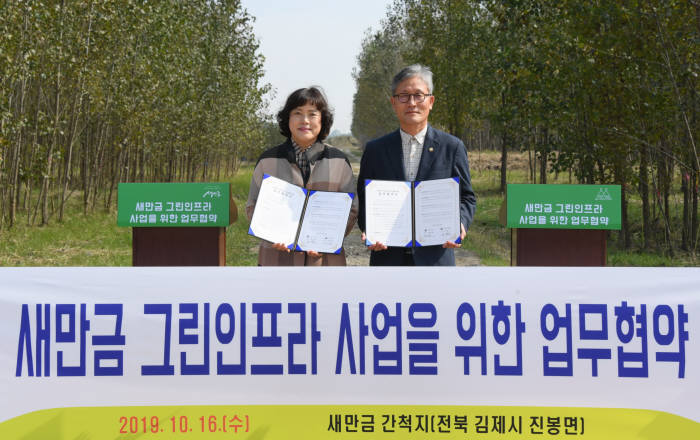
(373,247)
(313,254)
(462,234)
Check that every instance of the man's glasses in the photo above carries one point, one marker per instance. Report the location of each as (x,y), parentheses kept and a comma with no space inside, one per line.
(417,97)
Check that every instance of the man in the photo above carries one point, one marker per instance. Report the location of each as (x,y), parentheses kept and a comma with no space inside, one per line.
(416,151)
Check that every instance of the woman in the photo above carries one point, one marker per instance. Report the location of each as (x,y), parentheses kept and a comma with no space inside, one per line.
(306,161)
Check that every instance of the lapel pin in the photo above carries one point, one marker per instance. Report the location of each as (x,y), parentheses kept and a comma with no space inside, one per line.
(430,149)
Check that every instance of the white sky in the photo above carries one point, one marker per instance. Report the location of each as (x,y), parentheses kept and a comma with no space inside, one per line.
(314,42)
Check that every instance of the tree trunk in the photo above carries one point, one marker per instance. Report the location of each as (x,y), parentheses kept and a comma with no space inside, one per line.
(56,127)
(504,162)
(694,186)
(543,155)
(686,231)
(504,151)
(532,166)
(49,154)
(32,156)
(67,162)
(644,194)
(17,157)
(94,180)
(116,176)
(665,171)
(89,139)
(625,241)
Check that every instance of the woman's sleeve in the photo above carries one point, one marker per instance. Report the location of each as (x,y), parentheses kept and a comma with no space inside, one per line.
(348,185)
(255,183)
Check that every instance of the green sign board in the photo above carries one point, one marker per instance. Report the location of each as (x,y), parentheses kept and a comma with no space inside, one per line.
(174,204)
(564,206)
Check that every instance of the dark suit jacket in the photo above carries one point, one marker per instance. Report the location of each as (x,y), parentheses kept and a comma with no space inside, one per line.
(443,156)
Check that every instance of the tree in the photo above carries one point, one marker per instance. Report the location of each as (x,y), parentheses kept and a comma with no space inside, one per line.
(97,93)
(379,60)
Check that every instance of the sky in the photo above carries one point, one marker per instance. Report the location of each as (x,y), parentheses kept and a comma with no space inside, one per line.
(315,42)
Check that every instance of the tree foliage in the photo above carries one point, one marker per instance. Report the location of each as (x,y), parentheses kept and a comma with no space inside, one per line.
(93,93)
(379,60)
(606,91)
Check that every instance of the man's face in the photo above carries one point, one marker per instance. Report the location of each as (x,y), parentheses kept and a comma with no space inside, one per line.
(413,116)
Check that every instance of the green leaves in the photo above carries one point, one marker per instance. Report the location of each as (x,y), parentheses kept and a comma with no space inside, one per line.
(588,87)
(380,59)
(117,90)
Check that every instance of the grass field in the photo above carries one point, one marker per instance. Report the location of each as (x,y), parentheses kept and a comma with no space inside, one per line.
(492,241)
(96,240)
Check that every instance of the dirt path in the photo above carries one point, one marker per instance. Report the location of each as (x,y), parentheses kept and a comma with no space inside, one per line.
(357,253)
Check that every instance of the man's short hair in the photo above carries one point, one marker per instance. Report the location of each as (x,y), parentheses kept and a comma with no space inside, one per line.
(419,70)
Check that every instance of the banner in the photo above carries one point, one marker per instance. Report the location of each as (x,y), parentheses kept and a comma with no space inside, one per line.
(349,353)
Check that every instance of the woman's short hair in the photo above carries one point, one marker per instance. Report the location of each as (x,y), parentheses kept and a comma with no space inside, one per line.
(309,95)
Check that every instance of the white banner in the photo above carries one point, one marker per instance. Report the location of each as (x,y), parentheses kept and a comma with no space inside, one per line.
(623,338)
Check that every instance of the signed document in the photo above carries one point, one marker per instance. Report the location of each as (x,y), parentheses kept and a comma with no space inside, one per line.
(303,220)
(388,212)
(406,214)
(437,211)
(277,211)
(325,220)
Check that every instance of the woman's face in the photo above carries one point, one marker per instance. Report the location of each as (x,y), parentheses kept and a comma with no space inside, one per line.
(305,124)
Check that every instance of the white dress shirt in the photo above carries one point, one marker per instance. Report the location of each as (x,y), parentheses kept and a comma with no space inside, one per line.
(412,152)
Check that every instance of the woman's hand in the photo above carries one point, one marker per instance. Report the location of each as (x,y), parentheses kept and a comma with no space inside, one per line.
(283,248)
(280,247)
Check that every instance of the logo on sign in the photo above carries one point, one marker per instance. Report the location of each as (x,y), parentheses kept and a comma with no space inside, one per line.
(603,194)
(212,192)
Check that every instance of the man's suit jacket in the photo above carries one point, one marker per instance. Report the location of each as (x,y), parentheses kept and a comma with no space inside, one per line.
(443,156)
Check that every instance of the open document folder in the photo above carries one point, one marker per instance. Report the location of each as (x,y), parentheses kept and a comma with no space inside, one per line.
(407,214)
(302,219)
